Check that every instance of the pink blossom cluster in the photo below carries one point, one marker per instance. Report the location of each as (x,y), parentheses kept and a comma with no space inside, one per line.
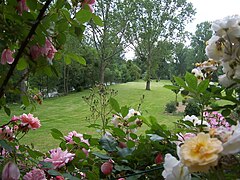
(48,50)
(59,158)
(21,6)
(7,56)
(30,121)
(35,174)
(216,119)
(88,3)
(69,139)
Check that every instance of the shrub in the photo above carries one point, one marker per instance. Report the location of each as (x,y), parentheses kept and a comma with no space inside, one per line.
(171,107)
(192,109)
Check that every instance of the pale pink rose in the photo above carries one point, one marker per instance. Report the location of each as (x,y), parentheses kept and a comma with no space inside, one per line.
(59,158)
(48,49)
(35,51)
(10,172)
(7,56)
(22,6)
(35,174)
(32,122)
(69,139)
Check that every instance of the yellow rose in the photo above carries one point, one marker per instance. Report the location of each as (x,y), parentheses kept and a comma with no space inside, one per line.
(200,152)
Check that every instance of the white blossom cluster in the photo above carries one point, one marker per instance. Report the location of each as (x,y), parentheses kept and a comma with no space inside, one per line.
(224,46)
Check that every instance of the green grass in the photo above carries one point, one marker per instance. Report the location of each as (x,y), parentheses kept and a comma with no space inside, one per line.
(67,113)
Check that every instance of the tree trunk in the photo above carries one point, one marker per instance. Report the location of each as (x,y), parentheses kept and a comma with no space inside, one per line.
(148,85)
(102,71)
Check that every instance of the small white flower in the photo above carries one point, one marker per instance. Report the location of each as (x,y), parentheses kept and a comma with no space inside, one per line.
(215,48)
(174,169)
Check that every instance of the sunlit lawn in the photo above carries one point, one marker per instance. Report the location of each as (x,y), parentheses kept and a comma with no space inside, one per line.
(67,113)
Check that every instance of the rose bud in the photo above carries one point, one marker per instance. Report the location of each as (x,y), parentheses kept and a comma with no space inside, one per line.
(10,171)
(107,168)
(158,159)
(122,145)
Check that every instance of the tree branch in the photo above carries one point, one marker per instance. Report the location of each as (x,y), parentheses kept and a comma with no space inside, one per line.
(23,46)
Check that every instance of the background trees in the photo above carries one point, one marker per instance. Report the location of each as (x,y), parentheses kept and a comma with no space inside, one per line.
(153,21)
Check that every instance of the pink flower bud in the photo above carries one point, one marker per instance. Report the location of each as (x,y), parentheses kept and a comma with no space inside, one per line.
(122,145)
(10,171)
(59,178)
(7,56)
(158,159)
(107,168)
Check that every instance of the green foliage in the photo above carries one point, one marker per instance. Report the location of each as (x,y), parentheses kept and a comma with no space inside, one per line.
(171,107)
(192,108)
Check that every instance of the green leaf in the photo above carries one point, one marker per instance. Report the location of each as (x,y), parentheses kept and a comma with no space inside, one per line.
(66,14)
(62,25)
(97,20)
(61,38)
(76,139)
(67,59)
(102,156)
(124,111)
(60,4)
(25,100)
(180,81)
(202,86)
(80,60)
(108,143)
(6,146)
(7,110)
(133,136)
(46,165)
(130,144)
(191,81)
(56,134)
(119,132)
(94,141)
(69,176)
(54,173)
(47,70)
(172,87)
(226,112)
(83,16)
(77,58)
(114,104)
(32,5)
(22,64)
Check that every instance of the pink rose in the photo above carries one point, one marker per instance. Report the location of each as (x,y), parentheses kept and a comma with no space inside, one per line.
(35,174)
(7,56)
(30,121)
(69,139)
(59,158)
(22,6)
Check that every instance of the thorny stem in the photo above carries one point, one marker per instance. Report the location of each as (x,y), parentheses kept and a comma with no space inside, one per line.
(23,46)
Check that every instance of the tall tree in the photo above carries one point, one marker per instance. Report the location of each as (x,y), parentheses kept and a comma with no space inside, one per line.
(108,39)
(155,20)
(198,41)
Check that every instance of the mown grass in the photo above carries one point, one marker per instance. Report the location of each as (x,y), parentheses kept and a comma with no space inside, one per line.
(68,113)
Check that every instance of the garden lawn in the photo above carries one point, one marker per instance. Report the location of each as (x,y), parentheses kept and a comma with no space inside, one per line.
(68,113)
